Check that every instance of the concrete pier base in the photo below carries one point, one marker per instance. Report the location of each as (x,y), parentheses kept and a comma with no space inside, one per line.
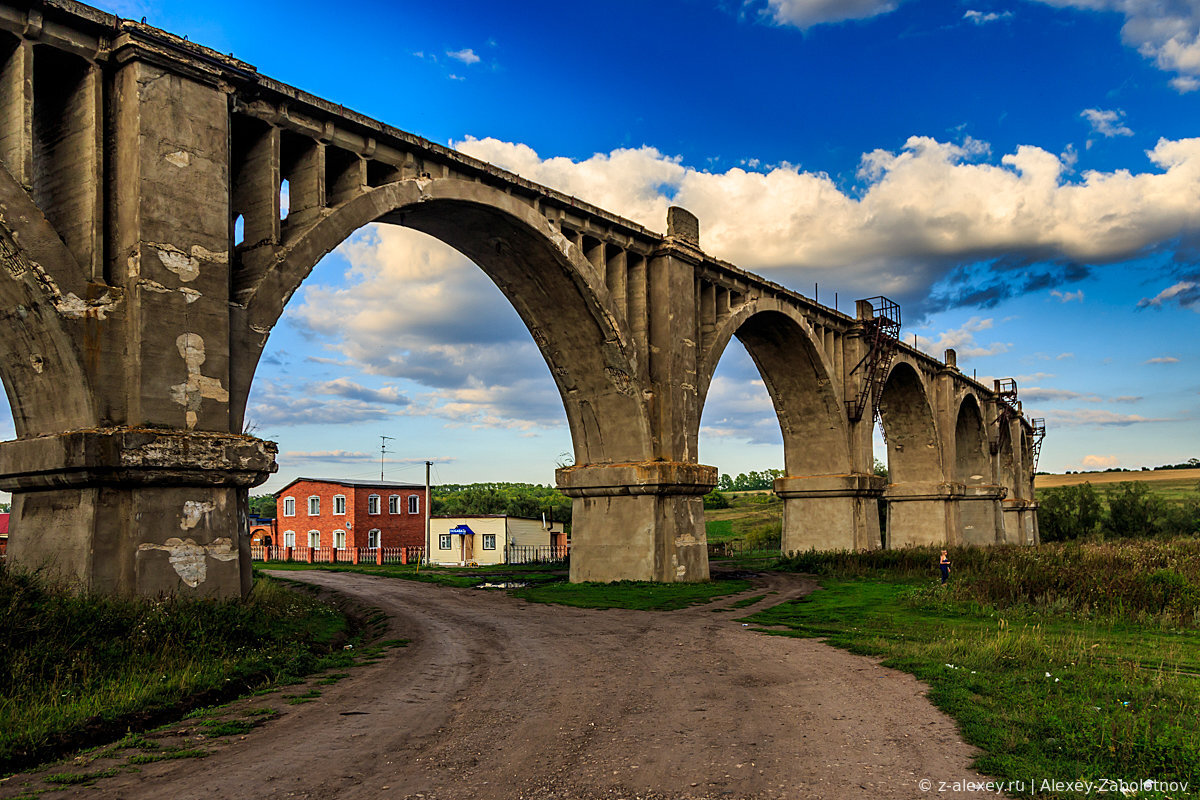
(917,514)
(638,521)
(978,515)
(136,511)
(830,512)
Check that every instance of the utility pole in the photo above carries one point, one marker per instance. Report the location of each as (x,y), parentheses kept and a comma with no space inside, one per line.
(383,440)
(428,501)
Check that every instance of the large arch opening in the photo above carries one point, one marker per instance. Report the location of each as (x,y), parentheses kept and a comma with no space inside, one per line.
(553,290)
(448,338)
(972,468)
(915,509)
(820,508)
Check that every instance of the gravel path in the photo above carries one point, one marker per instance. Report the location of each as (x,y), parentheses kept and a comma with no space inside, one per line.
(500,698)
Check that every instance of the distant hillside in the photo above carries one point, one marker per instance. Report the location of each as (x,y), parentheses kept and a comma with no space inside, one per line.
(1181,476)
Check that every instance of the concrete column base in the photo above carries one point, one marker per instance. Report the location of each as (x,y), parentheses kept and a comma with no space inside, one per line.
(979,515)
(639,521)
(135,511)
(830,512)
(1020,522)
(918,514)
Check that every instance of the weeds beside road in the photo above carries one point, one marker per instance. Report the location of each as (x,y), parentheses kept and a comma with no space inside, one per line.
(84,669)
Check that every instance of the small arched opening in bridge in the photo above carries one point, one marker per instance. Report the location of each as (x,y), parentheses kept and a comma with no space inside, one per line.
(794,371)
(915,509)
(972,469)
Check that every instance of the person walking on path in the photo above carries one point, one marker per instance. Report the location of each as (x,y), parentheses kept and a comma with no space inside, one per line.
(944,564)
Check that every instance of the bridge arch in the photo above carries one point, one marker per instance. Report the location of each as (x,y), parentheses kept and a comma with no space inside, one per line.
(797,375)
(554,289)
(826,504)
(978,520)
(917,492)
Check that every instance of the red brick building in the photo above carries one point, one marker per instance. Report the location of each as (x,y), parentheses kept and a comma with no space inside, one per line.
(315,512)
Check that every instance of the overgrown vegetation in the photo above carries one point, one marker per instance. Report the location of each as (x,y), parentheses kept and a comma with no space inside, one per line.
(1143,581)
(446,576)
(81,668)
(1042,691)
(1130,509)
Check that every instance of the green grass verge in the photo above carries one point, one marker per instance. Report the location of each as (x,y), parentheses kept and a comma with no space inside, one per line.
(82,669)
(1043,695)
(464,577)
(640,595)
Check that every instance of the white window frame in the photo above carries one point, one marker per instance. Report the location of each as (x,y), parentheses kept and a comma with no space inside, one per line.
(444,542)
(414,504)
(341,505)
(314,538)
(394,504)
(289,506)
(373,504)
(339,539)
(489,537)
(373,537)
(289,538)
(314,502)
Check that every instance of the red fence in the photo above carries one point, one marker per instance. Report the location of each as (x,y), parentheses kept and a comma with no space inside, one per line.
(341,555)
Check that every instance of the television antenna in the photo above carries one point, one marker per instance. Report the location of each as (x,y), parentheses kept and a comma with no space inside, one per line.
(383,440)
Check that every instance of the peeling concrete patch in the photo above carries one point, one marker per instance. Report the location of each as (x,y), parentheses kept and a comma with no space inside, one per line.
(193,510)
(180,158)
(37,363)
(190,295)
(152,286)
(197,387)
(183,265)
(213,256)
(189,559)
(73,307)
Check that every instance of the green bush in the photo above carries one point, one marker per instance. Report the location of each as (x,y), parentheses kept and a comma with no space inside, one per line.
(765,536)
(1070,512)
(714,500)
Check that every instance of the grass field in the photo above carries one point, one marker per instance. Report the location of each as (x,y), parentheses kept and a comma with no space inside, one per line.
(1166,480)
(1062,661)
(747,512)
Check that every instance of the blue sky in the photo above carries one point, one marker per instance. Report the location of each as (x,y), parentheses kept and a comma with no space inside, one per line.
(1021,176)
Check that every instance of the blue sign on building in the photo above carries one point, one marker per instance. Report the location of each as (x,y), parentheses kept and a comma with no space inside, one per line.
(462,530)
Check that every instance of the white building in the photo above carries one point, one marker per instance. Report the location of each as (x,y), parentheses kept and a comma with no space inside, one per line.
(484,539)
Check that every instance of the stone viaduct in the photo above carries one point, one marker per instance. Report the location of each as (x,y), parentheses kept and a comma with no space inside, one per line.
(133,318)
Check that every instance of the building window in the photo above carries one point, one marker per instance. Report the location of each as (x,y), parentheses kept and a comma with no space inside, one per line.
(289,538)
(314,538)
(339,539)
(373,504)
(314,506)
(289,506)
(373,538)
(444,541)
(414,504)
(489,541)
(339,504)
(394,504)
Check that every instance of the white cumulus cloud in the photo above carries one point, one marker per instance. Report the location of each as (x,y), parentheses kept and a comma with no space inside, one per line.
(1107,122)
(1164,31)
(807,13)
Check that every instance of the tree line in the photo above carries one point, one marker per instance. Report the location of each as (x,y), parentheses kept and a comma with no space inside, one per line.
(1125,510)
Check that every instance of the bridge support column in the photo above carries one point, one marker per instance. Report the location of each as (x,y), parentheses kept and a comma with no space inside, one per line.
(136,511)
(1020,522)
(979,517)
(919,514)
(830,512)
(638,521)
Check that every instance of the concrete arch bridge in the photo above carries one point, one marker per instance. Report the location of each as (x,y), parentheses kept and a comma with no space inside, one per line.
(133,321)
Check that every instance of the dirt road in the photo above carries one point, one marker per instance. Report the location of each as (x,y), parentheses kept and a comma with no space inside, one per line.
(500,698)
